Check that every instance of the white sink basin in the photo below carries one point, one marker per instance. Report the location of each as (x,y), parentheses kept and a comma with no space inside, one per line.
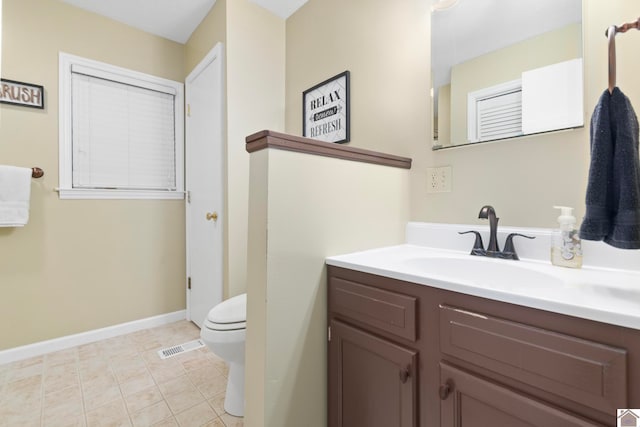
(489,273)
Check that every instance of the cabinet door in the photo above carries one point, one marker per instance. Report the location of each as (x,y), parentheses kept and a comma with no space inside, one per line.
(372,381)
(468,400)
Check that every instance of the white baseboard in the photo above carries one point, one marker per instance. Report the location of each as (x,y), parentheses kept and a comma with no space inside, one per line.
(62,343)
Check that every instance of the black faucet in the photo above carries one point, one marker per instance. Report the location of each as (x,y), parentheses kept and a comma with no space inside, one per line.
(493,250)
(510,250)
(487,212)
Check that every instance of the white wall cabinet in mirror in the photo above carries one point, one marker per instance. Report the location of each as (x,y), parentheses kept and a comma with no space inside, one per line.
(503,69)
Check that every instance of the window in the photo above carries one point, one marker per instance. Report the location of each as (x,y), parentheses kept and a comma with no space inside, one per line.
(121,133)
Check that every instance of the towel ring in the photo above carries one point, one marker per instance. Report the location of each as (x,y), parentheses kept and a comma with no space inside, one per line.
(610,33)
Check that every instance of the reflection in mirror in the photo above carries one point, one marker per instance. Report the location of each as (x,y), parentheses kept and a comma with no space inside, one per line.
(503,69)
(0,37)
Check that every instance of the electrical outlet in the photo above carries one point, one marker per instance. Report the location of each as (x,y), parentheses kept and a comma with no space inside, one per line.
(432,180)
(439,179)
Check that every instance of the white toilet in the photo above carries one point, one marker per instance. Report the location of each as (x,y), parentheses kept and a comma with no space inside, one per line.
(224,332)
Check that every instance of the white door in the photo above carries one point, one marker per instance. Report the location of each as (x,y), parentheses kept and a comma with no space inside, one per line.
(204,183)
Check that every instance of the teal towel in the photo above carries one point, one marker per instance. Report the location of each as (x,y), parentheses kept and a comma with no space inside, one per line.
(613,188)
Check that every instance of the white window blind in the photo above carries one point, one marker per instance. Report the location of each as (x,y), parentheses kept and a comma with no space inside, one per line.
(500,116)
(495,112)
(123,135)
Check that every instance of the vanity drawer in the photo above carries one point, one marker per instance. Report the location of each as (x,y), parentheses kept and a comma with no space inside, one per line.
(388,311)
(586,372)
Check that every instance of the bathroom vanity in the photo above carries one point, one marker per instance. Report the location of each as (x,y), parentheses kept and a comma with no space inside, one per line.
(411,348)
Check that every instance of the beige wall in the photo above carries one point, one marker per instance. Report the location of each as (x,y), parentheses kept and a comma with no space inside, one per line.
(444,115)
(382,43)
(82,265)
(255,101)
(310,207)
(79,265)
(256,343)
(254,80)
(387,51)
(211,31)
(505,65)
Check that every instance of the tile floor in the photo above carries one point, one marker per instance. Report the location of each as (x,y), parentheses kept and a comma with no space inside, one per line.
(120,381)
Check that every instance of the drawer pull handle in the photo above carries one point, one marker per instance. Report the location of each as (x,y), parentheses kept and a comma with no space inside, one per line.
(405,374)
(445,390)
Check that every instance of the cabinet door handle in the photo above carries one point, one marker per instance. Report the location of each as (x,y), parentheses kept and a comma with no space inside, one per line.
(445,390)
(405,374)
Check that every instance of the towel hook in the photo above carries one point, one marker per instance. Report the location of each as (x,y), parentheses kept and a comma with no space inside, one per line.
(610,33)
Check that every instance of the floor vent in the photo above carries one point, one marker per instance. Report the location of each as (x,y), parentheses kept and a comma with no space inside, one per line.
(166,353)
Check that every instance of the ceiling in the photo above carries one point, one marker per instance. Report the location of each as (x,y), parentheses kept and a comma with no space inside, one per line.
(472,27)
(172,19)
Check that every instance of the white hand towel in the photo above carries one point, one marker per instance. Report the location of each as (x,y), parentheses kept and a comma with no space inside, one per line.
(15,192)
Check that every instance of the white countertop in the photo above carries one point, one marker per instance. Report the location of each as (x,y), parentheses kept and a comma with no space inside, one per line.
(602,294)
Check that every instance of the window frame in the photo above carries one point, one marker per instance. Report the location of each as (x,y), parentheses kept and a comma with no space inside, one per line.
(125,76)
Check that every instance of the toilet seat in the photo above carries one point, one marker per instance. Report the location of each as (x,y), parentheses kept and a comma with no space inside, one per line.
(225,326)
(210,335)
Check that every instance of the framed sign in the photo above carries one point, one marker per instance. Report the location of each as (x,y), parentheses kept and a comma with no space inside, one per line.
(325,110)
(24,94)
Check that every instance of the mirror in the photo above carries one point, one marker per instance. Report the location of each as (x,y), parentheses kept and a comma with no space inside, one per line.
(0,37)
(503,69)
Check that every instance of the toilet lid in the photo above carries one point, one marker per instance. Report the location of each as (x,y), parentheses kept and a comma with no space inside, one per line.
(233,310)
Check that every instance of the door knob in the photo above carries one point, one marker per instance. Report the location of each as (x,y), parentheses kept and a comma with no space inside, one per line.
(212,216)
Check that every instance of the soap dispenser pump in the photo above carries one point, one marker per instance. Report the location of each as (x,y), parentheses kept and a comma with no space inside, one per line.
(566,250)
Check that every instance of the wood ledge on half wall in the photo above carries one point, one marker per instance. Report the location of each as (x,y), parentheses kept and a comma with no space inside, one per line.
(281,141)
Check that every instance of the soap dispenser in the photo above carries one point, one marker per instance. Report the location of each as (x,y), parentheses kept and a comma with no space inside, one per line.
(566,250)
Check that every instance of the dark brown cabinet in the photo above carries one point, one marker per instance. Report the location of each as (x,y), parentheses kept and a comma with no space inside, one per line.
(403,354)
(374,379)
(373,360)
(470,401)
